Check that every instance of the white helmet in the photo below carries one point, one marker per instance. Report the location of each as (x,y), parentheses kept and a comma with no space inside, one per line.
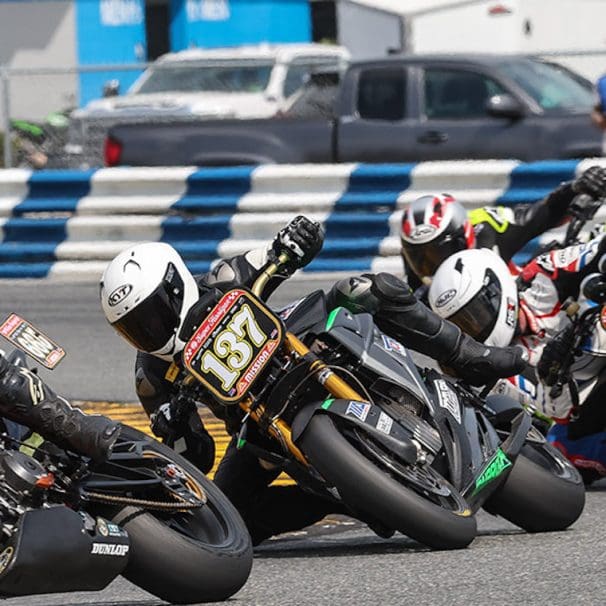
(475,290)
(146,292)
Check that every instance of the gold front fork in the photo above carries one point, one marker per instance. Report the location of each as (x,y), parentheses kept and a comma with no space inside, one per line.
(324,375)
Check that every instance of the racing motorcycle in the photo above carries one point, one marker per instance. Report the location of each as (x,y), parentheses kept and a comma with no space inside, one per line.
(68,523)
(351,418)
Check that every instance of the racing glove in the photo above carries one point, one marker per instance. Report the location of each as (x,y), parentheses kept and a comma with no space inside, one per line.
(479,364)
(302,239)
(185,432)
(553,355)
(592,182)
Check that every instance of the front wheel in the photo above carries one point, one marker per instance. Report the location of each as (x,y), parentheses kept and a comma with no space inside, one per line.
(373,490)
(200,555)
(543,492)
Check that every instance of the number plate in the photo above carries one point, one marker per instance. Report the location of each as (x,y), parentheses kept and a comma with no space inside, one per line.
(30,340)
(233,345)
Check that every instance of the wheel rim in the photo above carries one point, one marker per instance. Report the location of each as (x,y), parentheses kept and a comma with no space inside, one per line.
(423,480)
(204,525)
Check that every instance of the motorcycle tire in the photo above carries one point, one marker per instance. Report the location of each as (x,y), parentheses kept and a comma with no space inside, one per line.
(203,555)
(543,492)
(369,489)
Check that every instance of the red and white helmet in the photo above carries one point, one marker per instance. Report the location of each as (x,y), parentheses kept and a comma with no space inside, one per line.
(433,228)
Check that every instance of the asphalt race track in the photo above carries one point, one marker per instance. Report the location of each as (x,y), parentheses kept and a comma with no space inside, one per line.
(339,562)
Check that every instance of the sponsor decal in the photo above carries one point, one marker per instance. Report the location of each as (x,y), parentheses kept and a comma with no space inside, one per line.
(30,340)
(603,317)
(446,297)
(211,321)
(286,312)
(358,410)
(448,399)
(107,549)
(422,232)
(115,530)
(510,314)
(256,366)
(392,345)
(384,423)
(102,528)
(495,468)
(119,294)
(5,558)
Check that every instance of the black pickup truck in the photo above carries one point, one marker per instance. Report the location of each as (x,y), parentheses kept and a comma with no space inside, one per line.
(398,109)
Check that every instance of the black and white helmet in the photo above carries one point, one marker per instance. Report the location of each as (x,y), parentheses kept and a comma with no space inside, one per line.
(146,292)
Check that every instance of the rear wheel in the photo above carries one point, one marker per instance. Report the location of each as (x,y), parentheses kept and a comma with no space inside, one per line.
(543,492)
(199,555)
(423,506)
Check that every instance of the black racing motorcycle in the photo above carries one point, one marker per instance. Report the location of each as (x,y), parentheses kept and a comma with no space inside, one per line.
(70,524)
(354,420)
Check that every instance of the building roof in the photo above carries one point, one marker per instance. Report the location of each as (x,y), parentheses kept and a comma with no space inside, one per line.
(409,7)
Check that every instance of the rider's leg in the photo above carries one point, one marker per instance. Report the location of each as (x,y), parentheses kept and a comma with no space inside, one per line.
(26,399)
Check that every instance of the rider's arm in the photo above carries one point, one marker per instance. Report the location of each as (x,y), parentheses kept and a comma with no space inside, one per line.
(530,221)
(566,267)
(302,239)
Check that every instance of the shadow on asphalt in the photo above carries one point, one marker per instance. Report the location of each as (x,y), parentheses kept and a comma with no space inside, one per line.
(326,539)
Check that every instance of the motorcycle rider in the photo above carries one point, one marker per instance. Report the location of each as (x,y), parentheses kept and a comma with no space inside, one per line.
(475,290)
(146,294)
(26,399)
(435,226)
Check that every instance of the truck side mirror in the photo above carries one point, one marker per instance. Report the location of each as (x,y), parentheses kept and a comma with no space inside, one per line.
(111,88)
(504,106)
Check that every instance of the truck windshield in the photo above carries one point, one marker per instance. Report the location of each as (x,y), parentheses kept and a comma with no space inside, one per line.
(249,78)
(552,86)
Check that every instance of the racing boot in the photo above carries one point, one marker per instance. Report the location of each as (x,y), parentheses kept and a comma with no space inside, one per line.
(398,313)
(26,399)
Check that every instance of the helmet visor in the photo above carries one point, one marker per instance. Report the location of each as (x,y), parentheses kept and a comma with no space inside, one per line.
(424,259)
(152,323)
(478,317)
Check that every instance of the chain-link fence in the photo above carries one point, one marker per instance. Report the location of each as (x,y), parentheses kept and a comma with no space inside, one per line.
(46,129)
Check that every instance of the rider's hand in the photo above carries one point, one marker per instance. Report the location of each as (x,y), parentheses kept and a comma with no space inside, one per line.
(163,423)
(302,239)
(480,364)
(554,353)
(592,182)
(185,433)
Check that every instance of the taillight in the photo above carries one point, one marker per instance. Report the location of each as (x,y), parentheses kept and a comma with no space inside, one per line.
(112,151)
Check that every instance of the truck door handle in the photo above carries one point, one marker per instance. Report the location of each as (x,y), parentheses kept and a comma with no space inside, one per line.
(433,136)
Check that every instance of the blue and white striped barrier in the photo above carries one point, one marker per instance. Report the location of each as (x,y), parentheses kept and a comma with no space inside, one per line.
(69,224)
